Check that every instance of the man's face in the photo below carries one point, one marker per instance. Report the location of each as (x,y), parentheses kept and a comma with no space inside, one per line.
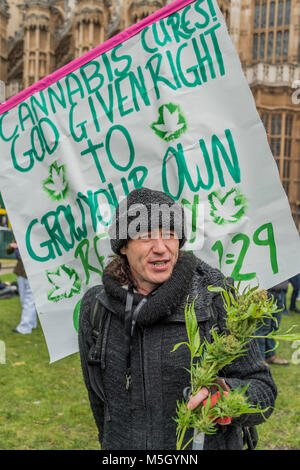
(151,258)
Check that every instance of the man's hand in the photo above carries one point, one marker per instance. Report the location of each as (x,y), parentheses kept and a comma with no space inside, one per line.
(197,399)
(203,393)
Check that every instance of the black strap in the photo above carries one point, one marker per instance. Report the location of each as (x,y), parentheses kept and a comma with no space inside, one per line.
(127,327)
(130,322)
(250,437)
(135,314)
(128,311)
(95,384)
(99,317)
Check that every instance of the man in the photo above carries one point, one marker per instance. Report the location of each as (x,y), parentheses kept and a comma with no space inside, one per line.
(133,378)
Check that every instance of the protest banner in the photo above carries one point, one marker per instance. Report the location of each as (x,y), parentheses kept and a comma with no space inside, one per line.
(163,105)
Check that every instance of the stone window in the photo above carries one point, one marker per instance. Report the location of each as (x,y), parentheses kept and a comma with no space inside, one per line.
(271,21)
(279,128)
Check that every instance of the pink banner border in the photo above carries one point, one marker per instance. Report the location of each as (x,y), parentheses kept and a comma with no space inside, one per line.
(92,54)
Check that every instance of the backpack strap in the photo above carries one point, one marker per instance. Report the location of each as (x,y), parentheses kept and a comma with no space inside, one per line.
(129,327)
(100,322)
(250,437)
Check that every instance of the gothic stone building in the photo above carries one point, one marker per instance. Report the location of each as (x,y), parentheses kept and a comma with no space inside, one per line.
(39,36)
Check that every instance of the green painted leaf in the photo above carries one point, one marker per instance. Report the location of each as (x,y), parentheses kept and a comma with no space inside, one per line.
(227,208)
(65,282)
(56,185)
(171,122)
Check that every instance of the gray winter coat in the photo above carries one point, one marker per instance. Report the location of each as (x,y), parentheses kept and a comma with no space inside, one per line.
(142,417)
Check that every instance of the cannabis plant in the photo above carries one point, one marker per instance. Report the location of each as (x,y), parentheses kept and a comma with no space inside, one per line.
(245,310)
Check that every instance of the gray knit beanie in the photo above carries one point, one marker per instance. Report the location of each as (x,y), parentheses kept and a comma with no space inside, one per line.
(143,210)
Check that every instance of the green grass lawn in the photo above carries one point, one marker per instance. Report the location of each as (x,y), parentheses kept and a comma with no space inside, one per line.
(282,429)
(45,406)
(8,262)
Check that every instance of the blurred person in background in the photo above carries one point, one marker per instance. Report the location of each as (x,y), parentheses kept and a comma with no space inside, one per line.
(28,315)
(295,281)
(7,289)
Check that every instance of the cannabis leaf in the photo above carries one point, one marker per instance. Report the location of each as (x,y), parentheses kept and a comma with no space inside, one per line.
(56,185)
(229,208)
(66,283)
(222,350)
(171,122)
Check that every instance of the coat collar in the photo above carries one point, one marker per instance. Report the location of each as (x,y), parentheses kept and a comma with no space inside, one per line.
(163,301)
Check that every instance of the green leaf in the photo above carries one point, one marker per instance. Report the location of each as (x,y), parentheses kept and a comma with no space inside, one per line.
(65,281)
(56,184)
(227,208)
(252,309)
(180,344)
(195,342)
(200,351)
(171,122)
(233,300)
(215,289)
(191,321)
